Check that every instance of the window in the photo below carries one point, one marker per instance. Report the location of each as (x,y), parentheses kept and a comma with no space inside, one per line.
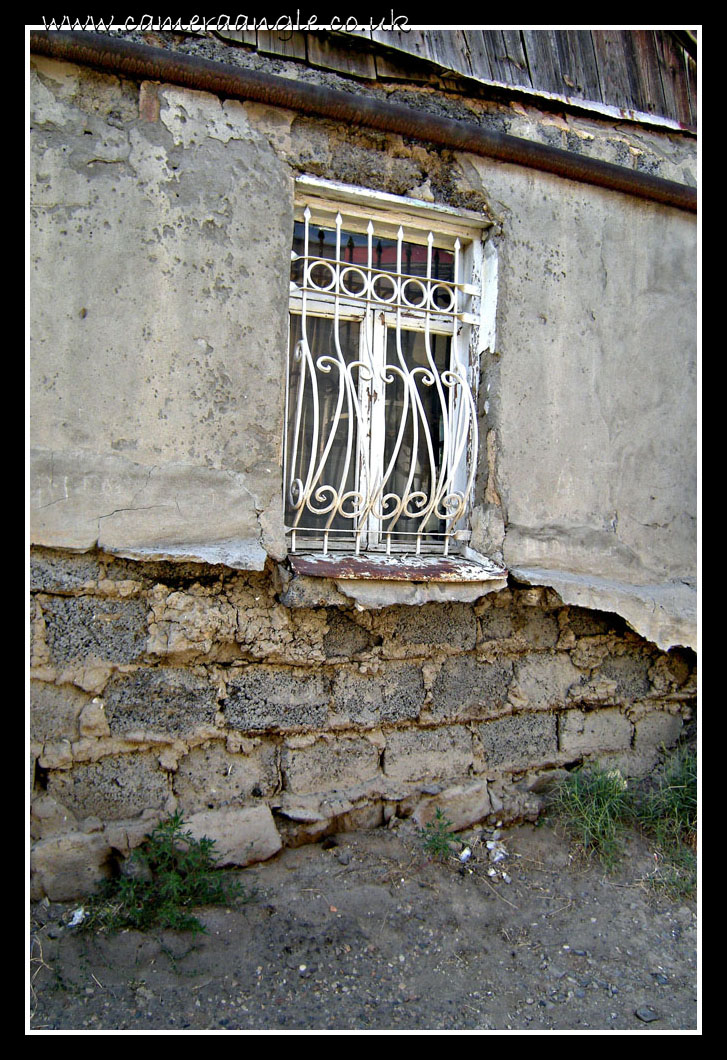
(381,418)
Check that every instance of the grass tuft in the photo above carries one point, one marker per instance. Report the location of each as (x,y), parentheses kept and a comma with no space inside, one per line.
(593,805)
(168,875)
(597,806)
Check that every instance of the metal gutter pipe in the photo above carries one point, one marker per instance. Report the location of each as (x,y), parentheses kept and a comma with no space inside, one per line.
(130,59)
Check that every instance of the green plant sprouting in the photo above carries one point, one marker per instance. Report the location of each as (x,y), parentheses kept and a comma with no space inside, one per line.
(437,837)
(170,873)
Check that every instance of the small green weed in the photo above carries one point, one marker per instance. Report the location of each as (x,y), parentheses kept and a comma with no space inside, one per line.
(437,837)
(171,872)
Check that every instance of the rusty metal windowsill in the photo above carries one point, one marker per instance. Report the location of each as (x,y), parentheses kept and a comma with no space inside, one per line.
(400,567)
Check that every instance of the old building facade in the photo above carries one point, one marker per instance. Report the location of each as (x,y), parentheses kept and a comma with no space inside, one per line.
(363,430)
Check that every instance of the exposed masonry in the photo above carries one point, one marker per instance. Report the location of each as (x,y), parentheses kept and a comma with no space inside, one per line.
(157,686)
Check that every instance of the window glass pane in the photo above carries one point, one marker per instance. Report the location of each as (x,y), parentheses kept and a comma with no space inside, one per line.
(321,447)
(417,406)
(355,249)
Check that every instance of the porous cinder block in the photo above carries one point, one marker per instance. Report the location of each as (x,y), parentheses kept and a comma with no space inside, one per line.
(450,625)
(519,741)
(345,637)
(467,687)
(327,765)
(630,672)
(538,628)
(115,787)
(63,572)
(80,628)
(393,694)
(582,732)
(427,754)
(164,700)
(264,697)
(496,623)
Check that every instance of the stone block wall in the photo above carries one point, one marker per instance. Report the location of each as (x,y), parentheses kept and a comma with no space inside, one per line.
(161,686)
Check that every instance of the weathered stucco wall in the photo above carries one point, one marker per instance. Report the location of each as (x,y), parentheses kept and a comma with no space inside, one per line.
(174,662)
(163,686)
(160,233)
(596,396)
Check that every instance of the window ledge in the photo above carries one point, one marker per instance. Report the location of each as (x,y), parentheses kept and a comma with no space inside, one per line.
(373,581)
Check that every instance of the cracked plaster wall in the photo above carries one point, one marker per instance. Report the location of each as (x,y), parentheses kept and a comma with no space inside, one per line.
(160,236)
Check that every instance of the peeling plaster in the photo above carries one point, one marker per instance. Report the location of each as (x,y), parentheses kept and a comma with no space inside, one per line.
(665,614)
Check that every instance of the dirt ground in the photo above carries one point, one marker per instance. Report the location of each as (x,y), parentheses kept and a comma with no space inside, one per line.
(363,933)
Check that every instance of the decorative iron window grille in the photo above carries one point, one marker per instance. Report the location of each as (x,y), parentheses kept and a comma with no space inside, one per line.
(381,417)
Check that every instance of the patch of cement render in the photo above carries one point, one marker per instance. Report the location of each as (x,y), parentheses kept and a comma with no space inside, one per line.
(663,614)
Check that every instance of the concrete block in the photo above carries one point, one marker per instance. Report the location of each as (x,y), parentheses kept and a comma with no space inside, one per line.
(630,672)
(496,623)
(427,754)
(449,626)
(54,711)
(393,694)
(211,776)
(656,728)
(266,697)
(242,835)
(467,687)
(462,804)
(327,765)
(64,572)
(538,628)
(582,732)
(519,741)
(164,700)
(115,787)
(542,681)
(69,866)
(80,628)
(345,638)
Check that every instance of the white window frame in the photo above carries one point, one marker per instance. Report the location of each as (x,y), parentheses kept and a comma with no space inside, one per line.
(469,323)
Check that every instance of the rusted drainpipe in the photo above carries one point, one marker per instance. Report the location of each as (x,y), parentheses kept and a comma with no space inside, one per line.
(157,64)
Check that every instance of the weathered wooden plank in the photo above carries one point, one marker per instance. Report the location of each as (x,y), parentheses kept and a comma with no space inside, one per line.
(674,78)
(507,58)
(578,68)
(241,36)
(648,91)
(478,58)
(413,43)
(543,62)
(388,68)
(341,55)
(290,45)
(613,68)
(448,48)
